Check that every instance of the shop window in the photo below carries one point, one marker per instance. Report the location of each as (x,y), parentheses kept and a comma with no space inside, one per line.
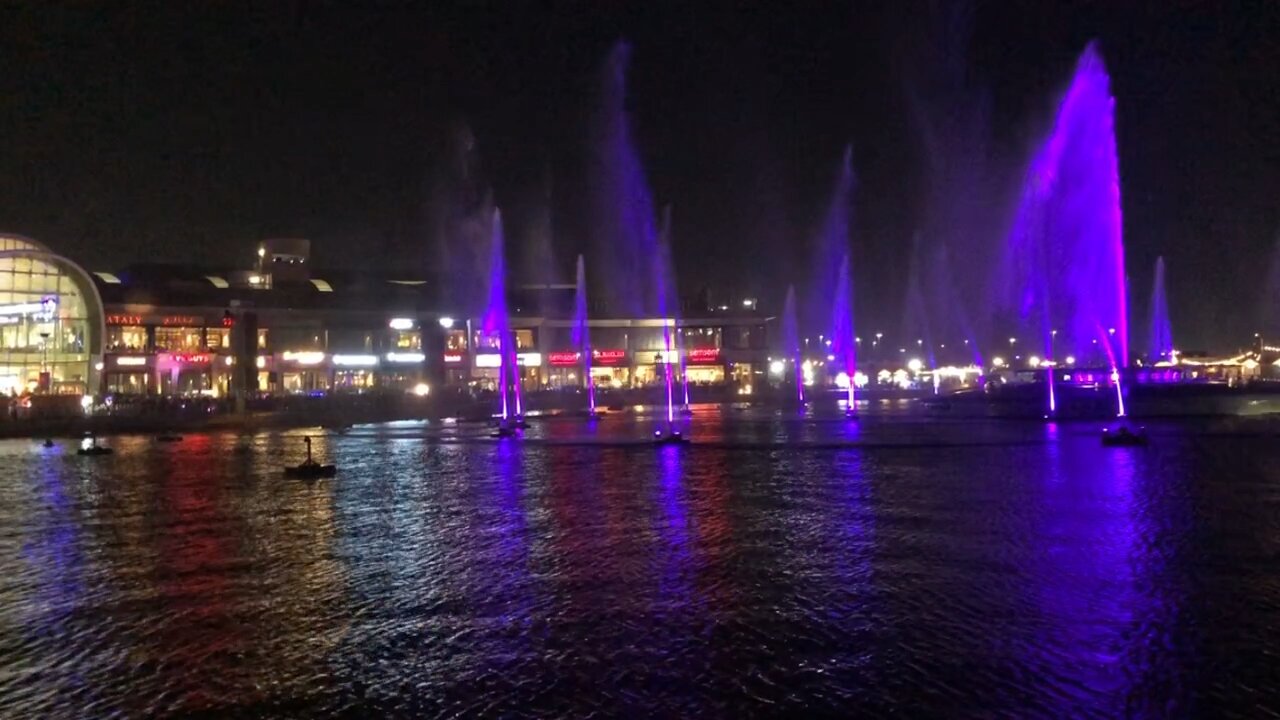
(456,341)
(128,338)
(217,338)
(177,339)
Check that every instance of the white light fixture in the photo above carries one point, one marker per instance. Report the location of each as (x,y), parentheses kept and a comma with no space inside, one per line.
(915,365)
(776,367)
(446,322)
(997,361)
(261,362)
(131,361)
(306,357)
(401,323)
(421,389)
(355,360)
(98,366)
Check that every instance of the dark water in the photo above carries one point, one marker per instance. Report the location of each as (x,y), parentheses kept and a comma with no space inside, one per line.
(900,567)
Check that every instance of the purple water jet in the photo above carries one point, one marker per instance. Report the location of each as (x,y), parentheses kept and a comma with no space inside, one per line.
(1064,266)
(623,211)
(582,333)
(830,244)
(791,340)
(843,341)
(1160,340)
(495,323)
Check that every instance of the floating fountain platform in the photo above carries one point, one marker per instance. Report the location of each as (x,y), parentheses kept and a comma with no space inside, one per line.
(1124,436)
(672,438)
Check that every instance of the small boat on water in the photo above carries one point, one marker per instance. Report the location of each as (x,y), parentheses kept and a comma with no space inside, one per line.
(1124,436)
(310,469)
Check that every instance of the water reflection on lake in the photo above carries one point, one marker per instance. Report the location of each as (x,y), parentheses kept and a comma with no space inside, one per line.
(779,565)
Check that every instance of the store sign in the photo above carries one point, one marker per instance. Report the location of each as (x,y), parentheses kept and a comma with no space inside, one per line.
(181,320)
(529,359)
(42,311)
(488,360)
(609,357)
(453,358)
(563,358)
(131,360)
(704,355)
(405,357)
(355,360)
(186,358)
(124,319)
(306,357)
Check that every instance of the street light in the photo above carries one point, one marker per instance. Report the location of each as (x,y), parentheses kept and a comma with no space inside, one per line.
(44,361)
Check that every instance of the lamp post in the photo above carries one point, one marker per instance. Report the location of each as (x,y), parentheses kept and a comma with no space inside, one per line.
(44,363)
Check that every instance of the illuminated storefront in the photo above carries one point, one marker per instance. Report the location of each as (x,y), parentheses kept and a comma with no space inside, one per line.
(51,322)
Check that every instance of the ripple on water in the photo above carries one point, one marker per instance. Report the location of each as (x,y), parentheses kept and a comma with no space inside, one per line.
(898,567)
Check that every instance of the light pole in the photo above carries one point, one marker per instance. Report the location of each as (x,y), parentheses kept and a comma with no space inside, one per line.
(44,363)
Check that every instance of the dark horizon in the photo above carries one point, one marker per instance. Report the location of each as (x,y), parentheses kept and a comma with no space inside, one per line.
(186,134)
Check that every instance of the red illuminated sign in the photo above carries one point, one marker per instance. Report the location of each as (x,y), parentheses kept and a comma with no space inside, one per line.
(563,358)
(124,319)
(704,355)
(190,358)
(453,357)
(606,357)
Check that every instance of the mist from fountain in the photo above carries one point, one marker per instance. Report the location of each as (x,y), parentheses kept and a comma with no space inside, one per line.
(582,333)
(496,322)
(843,340)
(626,241)
(791,340)
(1160,339)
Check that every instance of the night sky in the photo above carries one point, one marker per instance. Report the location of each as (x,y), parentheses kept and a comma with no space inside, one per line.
(186,131)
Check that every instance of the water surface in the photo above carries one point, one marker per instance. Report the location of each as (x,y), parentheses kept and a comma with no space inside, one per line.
(776,566)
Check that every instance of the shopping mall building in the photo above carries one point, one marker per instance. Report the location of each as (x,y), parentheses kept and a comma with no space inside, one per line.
(278,328)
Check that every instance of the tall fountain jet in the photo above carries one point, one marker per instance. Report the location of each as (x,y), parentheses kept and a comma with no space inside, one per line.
(843,340)
(495,322)
(1064,265)
(582,334)
(791,340)
(622,207)
(1161,336)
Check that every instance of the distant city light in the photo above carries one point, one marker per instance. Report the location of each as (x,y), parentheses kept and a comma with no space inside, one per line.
(915,365)
(860,379)
(446,322)
(749,303)
(997,361)
(1033,361)
(1071,359)
(776,367)
(421,389)
(842,380)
